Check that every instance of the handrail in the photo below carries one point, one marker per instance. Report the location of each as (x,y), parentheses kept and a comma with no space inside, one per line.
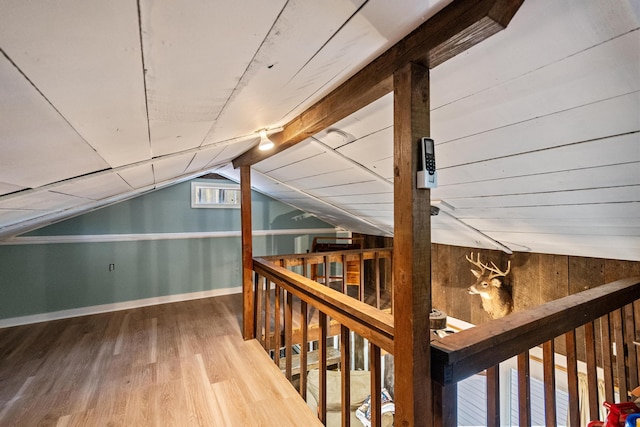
(468,352)
(333,256)
(367,321)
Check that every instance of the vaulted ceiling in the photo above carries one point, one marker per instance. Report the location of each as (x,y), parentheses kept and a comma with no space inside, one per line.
(537,128)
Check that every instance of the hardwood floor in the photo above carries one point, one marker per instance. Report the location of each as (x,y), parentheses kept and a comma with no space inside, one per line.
(180,364)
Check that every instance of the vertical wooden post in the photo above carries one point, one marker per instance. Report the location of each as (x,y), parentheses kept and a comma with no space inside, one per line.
(248,319)
(412,250)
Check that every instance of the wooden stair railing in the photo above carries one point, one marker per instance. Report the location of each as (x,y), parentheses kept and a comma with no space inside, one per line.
(608,314)
(350,262)
(604,321)
(352,315)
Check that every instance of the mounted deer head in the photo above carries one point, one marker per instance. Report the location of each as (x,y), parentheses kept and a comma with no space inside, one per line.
(496,300)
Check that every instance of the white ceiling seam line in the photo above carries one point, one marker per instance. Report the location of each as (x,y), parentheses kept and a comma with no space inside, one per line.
(545,149)
(335,33)
(92,205)
(244,73)
(491,196)
(297,190)
(48,101)
(538,117)
(117,170)
(359,166)
(144,77)
(537,173)
(557,61)
(306,100)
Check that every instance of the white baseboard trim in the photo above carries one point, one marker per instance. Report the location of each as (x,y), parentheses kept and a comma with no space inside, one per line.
(117,306)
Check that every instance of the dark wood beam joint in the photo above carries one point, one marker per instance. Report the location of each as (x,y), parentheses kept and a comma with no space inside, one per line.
(456,28)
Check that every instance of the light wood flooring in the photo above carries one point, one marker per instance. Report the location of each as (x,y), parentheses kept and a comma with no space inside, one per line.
(180,364)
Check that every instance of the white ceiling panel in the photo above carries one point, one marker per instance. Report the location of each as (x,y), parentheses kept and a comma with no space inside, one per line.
(95,187)
(360,188)
(35,139)
(85,58)
(590,154)
(9,188)
(302,151)
(371,149)
(205,157)
(554,198)
(310,167)
(543,32)
(374,117)
(167,168)
(613,211)
(550,226)
(613,70)
(537,128)
(596,177)
(11,216)
(304,27)
(138,176)
(614,116)
(41,200)
(362,198)
(186,101)
(330,179)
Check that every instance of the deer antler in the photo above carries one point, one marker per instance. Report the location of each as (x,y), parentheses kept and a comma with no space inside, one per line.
(495,271)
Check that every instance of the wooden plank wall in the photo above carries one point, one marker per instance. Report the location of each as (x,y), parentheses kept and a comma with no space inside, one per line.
(535,278)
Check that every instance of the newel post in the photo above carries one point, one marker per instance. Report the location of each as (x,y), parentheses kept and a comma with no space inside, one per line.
(248,320)
(411,251)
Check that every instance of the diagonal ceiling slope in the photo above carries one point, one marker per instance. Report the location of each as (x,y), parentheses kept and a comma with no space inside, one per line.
(537,128)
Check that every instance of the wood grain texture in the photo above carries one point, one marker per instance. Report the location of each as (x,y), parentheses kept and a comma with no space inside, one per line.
(524,390)
(476,349)
(248,306)
(411,255)
(175,365)
(456,28)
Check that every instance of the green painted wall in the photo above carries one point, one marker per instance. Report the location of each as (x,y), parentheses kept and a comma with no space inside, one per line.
(42,278)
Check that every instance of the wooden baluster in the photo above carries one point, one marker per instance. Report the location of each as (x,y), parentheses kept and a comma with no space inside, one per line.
(493,396)
(258,286)
(267,315)
(445,404)
(322,366)
(376,385)
(277,332)
(305,267)
(345,359)
(288,334)
(620,359)
(326,270)
(636,330)
(549,368)
(524,390)
(376,260)
(304,347)
(343,258)
(592,374)
(572,379)
(607,357)
(393,298)
(632,357)
(362,282)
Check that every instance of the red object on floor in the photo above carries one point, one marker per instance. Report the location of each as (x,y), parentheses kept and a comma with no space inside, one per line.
(618,413)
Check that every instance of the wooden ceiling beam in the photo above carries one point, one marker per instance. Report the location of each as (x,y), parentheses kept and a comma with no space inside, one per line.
(459,26)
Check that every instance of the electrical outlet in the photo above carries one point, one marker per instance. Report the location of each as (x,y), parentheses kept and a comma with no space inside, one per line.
(112,267)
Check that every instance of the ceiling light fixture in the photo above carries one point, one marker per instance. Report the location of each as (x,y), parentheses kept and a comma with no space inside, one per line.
(265,142)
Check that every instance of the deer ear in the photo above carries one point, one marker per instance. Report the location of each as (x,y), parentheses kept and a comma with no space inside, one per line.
(497,283)
(476,273)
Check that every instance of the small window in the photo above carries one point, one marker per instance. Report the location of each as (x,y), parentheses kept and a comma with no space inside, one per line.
(214,195)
